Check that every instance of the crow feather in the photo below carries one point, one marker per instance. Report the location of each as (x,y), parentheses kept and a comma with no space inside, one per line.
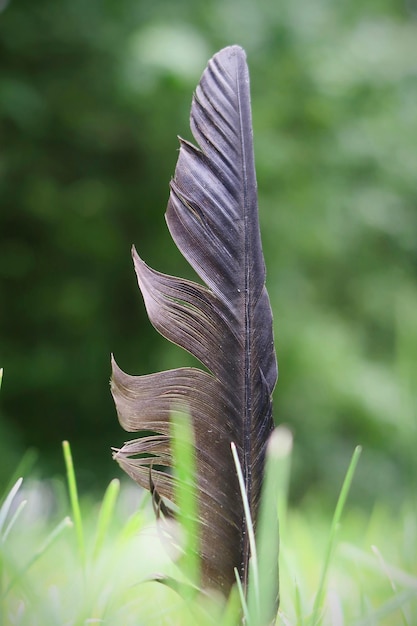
(226,324)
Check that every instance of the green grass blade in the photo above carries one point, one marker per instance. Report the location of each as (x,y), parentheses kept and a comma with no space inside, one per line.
(13,520)
(284,446)
(233,610)
(298,605)
(254,573)
(242,597)
(5,507)
(185,495)
(318,602)
(106,515)
(75,503)
(274,491)
(24,467)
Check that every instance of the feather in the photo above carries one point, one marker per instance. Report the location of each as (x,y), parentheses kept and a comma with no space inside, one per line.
(226,324)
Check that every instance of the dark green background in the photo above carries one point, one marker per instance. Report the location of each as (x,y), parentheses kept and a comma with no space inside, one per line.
(92,96)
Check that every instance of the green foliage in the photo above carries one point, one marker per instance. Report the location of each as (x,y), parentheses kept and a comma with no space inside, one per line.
(92,96)
(44,579)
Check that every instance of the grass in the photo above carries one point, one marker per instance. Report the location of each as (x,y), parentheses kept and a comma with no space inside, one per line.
(67,560)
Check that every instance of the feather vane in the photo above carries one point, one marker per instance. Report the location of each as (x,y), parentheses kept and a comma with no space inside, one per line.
(226,324)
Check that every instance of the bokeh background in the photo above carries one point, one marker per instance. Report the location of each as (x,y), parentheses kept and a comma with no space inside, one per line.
(92,96)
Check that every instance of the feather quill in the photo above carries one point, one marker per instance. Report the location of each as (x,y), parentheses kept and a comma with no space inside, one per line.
(212,216)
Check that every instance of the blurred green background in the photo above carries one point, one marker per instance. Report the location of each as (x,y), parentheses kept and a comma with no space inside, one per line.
(92,96)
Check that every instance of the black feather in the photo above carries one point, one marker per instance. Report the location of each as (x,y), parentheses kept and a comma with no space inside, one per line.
(212,216)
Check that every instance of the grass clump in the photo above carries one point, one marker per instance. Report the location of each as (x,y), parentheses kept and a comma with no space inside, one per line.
(102,567)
